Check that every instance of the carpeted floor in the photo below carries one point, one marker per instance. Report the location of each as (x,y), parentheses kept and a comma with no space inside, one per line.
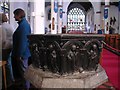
(111,63)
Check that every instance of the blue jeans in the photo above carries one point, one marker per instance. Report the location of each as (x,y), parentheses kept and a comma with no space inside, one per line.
(23,66)
(9,71)
(20,66)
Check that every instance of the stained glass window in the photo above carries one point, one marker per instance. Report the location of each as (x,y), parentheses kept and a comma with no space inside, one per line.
(76,19)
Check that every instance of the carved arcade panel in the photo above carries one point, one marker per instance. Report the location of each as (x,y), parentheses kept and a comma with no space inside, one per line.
(66,53)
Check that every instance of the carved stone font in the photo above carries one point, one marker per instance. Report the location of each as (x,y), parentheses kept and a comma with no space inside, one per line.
(66,53)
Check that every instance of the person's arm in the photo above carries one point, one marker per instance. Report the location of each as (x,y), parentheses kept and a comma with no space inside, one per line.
(9,33)
(4,38)
(9,37)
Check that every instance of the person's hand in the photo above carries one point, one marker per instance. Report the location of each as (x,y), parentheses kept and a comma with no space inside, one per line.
(19,58)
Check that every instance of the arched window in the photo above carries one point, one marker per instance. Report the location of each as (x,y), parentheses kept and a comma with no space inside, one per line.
(76,19)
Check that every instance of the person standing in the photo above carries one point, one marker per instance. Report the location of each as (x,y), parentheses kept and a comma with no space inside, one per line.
(21,52)
(7,32)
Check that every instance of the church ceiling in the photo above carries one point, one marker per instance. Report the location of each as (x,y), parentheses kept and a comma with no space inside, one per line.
(85,5)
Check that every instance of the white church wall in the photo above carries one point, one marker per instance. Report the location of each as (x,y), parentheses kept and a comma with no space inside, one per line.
(97,14)
(90,21)
(65,6)
(31,16)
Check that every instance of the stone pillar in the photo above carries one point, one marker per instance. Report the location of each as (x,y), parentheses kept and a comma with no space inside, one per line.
(97,16)
(54,11)
(12,20)
(39,13)
(60,15)
(106,16)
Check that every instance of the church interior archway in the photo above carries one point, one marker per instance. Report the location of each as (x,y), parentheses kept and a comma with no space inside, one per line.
(76,15)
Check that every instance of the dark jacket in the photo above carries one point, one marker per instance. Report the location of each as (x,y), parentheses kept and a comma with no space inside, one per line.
(20,40)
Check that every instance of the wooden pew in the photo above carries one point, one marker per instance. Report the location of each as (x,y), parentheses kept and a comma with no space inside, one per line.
(117,42)
(113,40)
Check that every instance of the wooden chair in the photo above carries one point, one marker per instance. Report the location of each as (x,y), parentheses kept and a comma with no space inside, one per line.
(2,65)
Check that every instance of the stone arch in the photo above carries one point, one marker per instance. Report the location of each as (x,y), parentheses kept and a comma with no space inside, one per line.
(73,5)
(84,6)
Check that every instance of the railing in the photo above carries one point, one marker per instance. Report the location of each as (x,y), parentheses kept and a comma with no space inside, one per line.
(112,42)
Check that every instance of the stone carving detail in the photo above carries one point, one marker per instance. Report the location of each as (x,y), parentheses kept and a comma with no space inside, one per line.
(53,57)
(93,49)
(36,54)
(71,56)
(64,55)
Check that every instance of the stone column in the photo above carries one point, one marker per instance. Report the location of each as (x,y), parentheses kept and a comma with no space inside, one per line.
(97,16)
(60,15)
(12,20)
(106,16)
(54,11)
(39,13)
